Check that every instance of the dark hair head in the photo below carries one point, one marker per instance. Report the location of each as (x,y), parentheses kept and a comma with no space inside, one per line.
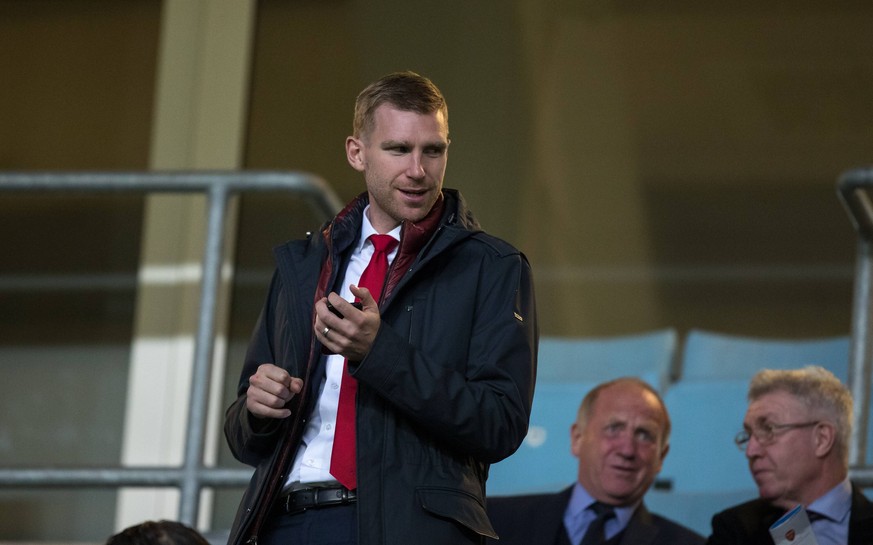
(404,90)
(164,532)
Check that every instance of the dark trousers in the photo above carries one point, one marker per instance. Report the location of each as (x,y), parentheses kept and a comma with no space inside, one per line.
(335,525)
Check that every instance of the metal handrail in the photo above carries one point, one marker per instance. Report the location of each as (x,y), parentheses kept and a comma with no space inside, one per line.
(157,476)
(854,192)
(191,476)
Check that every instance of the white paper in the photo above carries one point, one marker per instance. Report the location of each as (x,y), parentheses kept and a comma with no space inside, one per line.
(793,529)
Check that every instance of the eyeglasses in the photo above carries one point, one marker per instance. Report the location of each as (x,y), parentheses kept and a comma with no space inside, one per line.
(766,432)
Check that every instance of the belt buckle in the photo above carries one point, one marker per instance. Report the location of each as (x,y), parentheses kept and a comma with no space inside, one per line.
(292,509)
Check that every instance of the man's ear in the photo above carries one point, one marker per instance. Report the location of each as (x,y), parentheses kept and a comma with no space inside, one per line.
(355,153)
(575,438)
(664,450)
(825,436)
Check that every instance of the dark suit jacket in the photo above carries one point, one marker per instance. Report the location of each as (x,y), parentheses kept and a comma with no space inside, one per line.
(539,520)
(431,414)
(749,523)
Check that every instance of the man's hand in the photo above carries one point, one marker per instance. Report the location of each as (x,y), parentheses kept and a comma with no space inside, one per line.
(270,389)
(352,335)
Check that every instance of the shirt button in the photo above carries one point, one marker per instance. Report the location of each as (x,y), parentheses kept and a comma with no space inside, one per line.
(334,385)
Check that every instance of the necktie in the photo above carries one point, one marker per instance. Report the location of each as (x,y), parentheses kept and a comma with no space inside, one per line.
(814,516)
(342,457)
(595,534)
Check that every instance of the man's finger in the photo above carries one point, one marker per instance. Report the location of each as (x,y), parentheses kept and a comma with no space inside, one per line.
(365,296)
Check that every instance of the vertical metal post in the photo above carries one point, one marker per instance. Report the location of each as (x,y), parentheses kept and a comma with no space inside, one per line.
(194,445)
(192,476)
(861,354)
(853,187)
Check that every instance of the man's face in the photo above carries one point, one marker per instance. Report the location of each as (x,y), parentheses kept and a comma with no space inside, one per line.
(403,159)
(621,448)
(784,466)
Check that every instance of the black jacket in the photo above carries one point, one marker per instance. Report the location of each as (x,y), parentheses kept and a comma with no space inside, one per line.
(445,391)
(538,519)
(749,523)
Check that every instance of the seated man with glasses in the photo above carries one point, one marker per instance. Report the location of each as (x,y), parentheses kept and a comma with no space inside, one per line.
(796,438)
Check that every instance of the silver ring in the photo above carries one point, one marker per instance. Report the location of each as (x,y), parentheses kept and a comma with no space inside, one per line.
(325,331)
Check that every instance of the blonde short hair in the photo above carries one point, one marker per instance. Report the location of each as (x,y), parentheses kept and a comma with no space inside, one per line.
(404,90)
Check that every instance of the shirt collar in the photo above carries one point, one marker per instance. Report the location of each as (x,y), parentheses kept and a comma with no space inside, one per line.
(367,229)
(580,499)
(836,503)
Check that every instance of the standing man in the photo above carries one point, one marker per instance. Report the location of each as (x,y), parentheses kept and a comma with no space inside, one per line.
(376,424)
(796,437)
(621,436)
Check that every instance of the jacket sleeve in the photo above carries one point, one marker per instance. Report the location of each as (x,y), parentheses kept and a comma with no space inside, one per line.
(724,532)
(250,439)
(472,388)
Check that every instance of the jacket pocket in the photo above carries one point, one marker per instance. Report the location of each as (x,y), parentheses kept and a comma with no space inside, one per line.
(458,506)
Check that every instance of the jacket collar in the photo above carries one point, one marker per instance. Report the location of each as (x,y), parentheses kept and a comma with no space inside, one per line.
(343,231)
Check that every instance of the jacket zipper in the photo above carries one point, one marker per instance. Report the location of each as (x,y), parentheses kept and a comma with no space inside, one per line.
(270,491)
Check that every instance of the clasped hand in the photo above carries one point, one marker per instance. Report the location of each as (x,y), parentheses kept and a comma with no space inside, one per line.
(272,387)
(352,334)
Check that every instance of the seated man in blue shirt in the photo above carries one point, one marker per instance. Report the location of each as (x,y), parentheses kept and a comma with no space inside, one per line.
(796,437)
(621,436)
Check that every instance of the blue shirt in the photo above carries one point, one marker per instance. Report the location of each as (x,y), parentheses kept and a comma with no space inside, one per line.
(577,516)
(835,508)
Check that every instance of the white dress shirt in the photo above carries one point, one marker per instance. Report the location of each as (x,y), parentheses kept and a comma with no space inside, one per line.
(312,463)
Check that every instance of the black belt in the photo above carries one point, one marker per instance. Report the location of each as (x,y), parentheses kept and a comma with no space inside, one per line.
(311,498)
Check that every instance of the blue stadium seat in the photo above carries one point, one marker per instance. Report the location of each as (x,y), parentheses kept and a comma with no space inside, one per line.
(544,462)
(706,417)
(716,356)
(567,370)
(647,355)
(712,356)
(707,472)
